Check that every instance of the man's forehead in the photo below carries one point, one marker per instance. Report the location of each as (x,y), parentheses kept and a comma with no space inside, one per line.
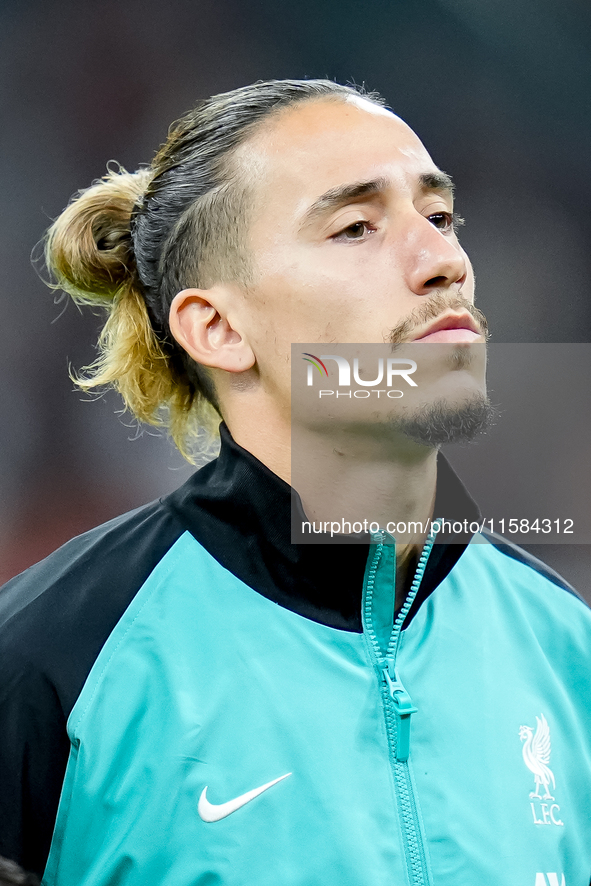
(307,149)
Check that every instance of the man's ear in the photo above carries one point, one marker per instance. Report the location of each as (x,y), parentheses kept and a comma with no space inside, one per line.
(199,323)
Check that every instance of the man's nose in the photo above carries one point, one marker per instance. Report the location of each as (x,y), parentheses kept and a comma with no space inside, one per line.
(434,260)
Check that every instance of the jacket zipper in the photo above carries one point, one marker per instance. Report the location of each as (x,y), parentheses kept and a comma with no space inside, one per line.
(398,709)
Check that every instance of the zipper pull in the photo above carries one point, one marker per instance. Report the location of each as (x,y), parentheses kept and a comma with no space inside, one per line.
(403,708)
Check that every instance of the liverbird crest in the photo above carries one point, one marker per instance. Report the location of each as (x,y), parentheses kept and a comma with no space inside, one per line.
(536,756)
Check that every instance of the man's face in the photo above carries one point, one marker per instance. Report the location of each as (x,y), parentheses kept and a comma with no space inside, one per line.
(351,233)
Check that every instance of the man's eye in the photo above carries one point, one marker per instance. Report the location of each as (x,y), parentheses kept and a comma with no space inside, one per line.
(356,231)
(446,221)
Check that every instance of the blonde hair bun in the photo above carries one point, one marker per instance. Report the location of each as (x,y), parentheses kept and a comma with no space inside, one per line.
(89,248)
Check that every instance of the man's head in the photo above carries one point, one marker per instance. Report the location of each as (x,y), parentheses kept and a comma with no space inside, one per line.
(285,211)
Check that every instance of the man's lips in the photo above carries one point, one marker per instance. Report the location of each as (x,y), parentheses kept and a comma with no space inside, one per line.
(451,328)
(451,335)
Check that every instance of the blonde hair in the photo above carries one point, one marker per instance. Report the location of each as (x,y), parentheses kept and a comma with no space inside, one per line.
(89,252)
(131,241)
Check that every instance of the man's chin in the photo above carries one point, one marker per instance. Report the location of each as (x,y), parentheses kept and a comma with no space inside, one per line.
(436,424)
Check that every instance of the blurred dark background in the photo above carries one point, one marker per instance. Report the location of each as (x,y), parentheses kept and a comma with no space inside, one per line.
(498,91)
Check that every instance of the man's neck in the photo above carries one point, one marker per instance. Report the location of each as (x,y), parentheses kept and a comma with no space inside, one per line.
(354,480)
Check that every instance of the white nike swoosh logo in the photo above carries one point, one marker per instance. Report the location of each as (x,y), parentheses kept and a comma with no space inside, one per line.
(213,812)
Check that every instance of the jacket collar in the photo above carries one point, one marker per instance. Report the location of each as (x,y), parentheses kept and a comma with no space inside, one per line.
(240,511)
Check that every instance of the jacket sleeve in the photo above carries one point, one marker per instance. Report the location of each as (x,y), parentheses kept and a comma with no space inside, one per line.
(34,749)
(54,619)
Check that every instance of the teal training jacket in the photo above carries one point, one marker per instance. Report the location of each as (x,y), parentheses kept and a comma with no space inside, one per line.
(220,737)
(206,689)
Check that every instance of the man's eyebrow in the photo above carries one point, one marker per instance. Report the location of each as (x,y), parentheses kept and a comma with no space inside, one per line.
(340,196)
(437,181)
(343,194)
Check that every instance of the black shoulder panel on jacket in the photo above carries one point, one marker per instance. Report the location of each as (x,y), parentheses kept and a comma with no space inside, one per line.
(54,620)
(522,556)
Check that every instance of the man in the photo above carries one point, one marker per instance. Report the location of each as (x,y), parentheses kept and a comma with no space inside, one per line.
(238,707)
